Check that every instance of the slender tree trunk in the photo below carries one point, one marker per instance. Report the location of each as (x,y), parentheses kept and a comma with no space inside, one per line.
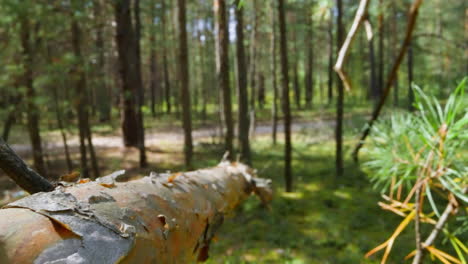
(204,87)
(154,84)
(32,112)
(167,82)
(139,86)
(381,26)
(340,98)
(10,120)
(253,57)
(285,95)
(222,65)
(242,93)
(103,98)
(58,115)
(309,81)
(373,86)
(410,77)
(296,86)
(81,101)
(184,83)
(330,58)
(395,52)
(261,90)
(273,73)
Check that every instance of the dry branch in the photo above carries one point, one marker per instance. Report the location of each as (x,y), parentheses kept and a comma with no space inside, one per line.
(161,218)
(20,173)
(413,13)
(361,14)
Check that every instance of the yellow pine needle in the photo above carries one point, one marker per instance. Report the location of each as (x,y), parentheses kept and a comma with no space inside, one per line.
(439,253)
(410,255)
(389,243)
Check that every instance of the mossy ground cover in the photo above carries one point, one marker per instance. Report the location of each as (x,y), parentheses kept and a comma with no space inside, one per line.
(325,220)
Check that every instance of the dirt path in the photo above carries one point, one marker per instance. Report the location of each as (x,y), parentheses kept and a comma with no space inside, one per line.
(155,138)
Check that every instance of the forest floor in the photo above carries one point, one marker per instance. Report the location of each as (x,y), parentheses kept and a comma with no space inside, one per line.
(325,220)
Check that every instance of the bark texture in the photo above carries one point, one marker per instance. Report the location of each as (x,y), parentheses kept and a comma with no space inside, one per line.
(242,94)
(184,83)
(222,69)
(161,218)
(285,94)
(20,173)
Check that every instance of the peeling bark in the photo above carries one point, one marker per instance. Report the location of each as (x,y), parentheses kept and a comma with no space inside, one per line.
(163,218)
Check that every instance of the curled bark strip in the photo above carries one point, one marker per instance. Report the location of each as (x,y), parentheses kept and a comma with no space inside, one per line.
(149,220)
(343,54)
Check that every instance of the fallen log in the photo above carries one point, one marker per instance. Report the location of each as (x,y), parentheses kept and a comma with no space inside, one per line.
(161,218)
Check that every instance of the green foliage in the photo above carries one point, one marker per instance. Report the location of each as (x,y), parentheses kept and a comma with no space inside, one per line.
(424,150)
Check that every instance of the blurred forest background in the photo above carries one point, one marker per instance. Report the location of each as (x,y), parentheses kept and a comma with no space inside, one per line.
(94,86)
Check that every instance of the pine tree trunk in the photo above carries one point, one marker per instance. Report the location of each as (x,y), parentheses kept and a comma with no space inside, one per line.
(154,84)
(222,65)
(167,82)
(126,48)
(32,111)
(273,74)
(103,98)
(395,52)
(184,83)
(380,69)
(149,220)
(410,78)
(340,98)
(139,95)
(330,58)
(253,57)
(81,101)
(297,88)
(285,95)
(242,93)
(309,74)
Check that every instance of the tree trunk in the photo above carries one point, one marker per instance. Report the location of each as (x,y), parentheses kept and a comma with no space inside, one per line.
(330,58)
(373,85)
(309,74)
(222,65)
(340,98)
(167,82)
(296,86)
(410,78)
(253,56)
(10,120)
(141,221)
(58,115)
(242,93)
(81,102)
(273,48)
(139,86)
(285,95)
(154,84)
(32,112)
(125,39)
(395,52)
(381,26)
(20,173)
(184,83)
(103,98)
(261,90)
